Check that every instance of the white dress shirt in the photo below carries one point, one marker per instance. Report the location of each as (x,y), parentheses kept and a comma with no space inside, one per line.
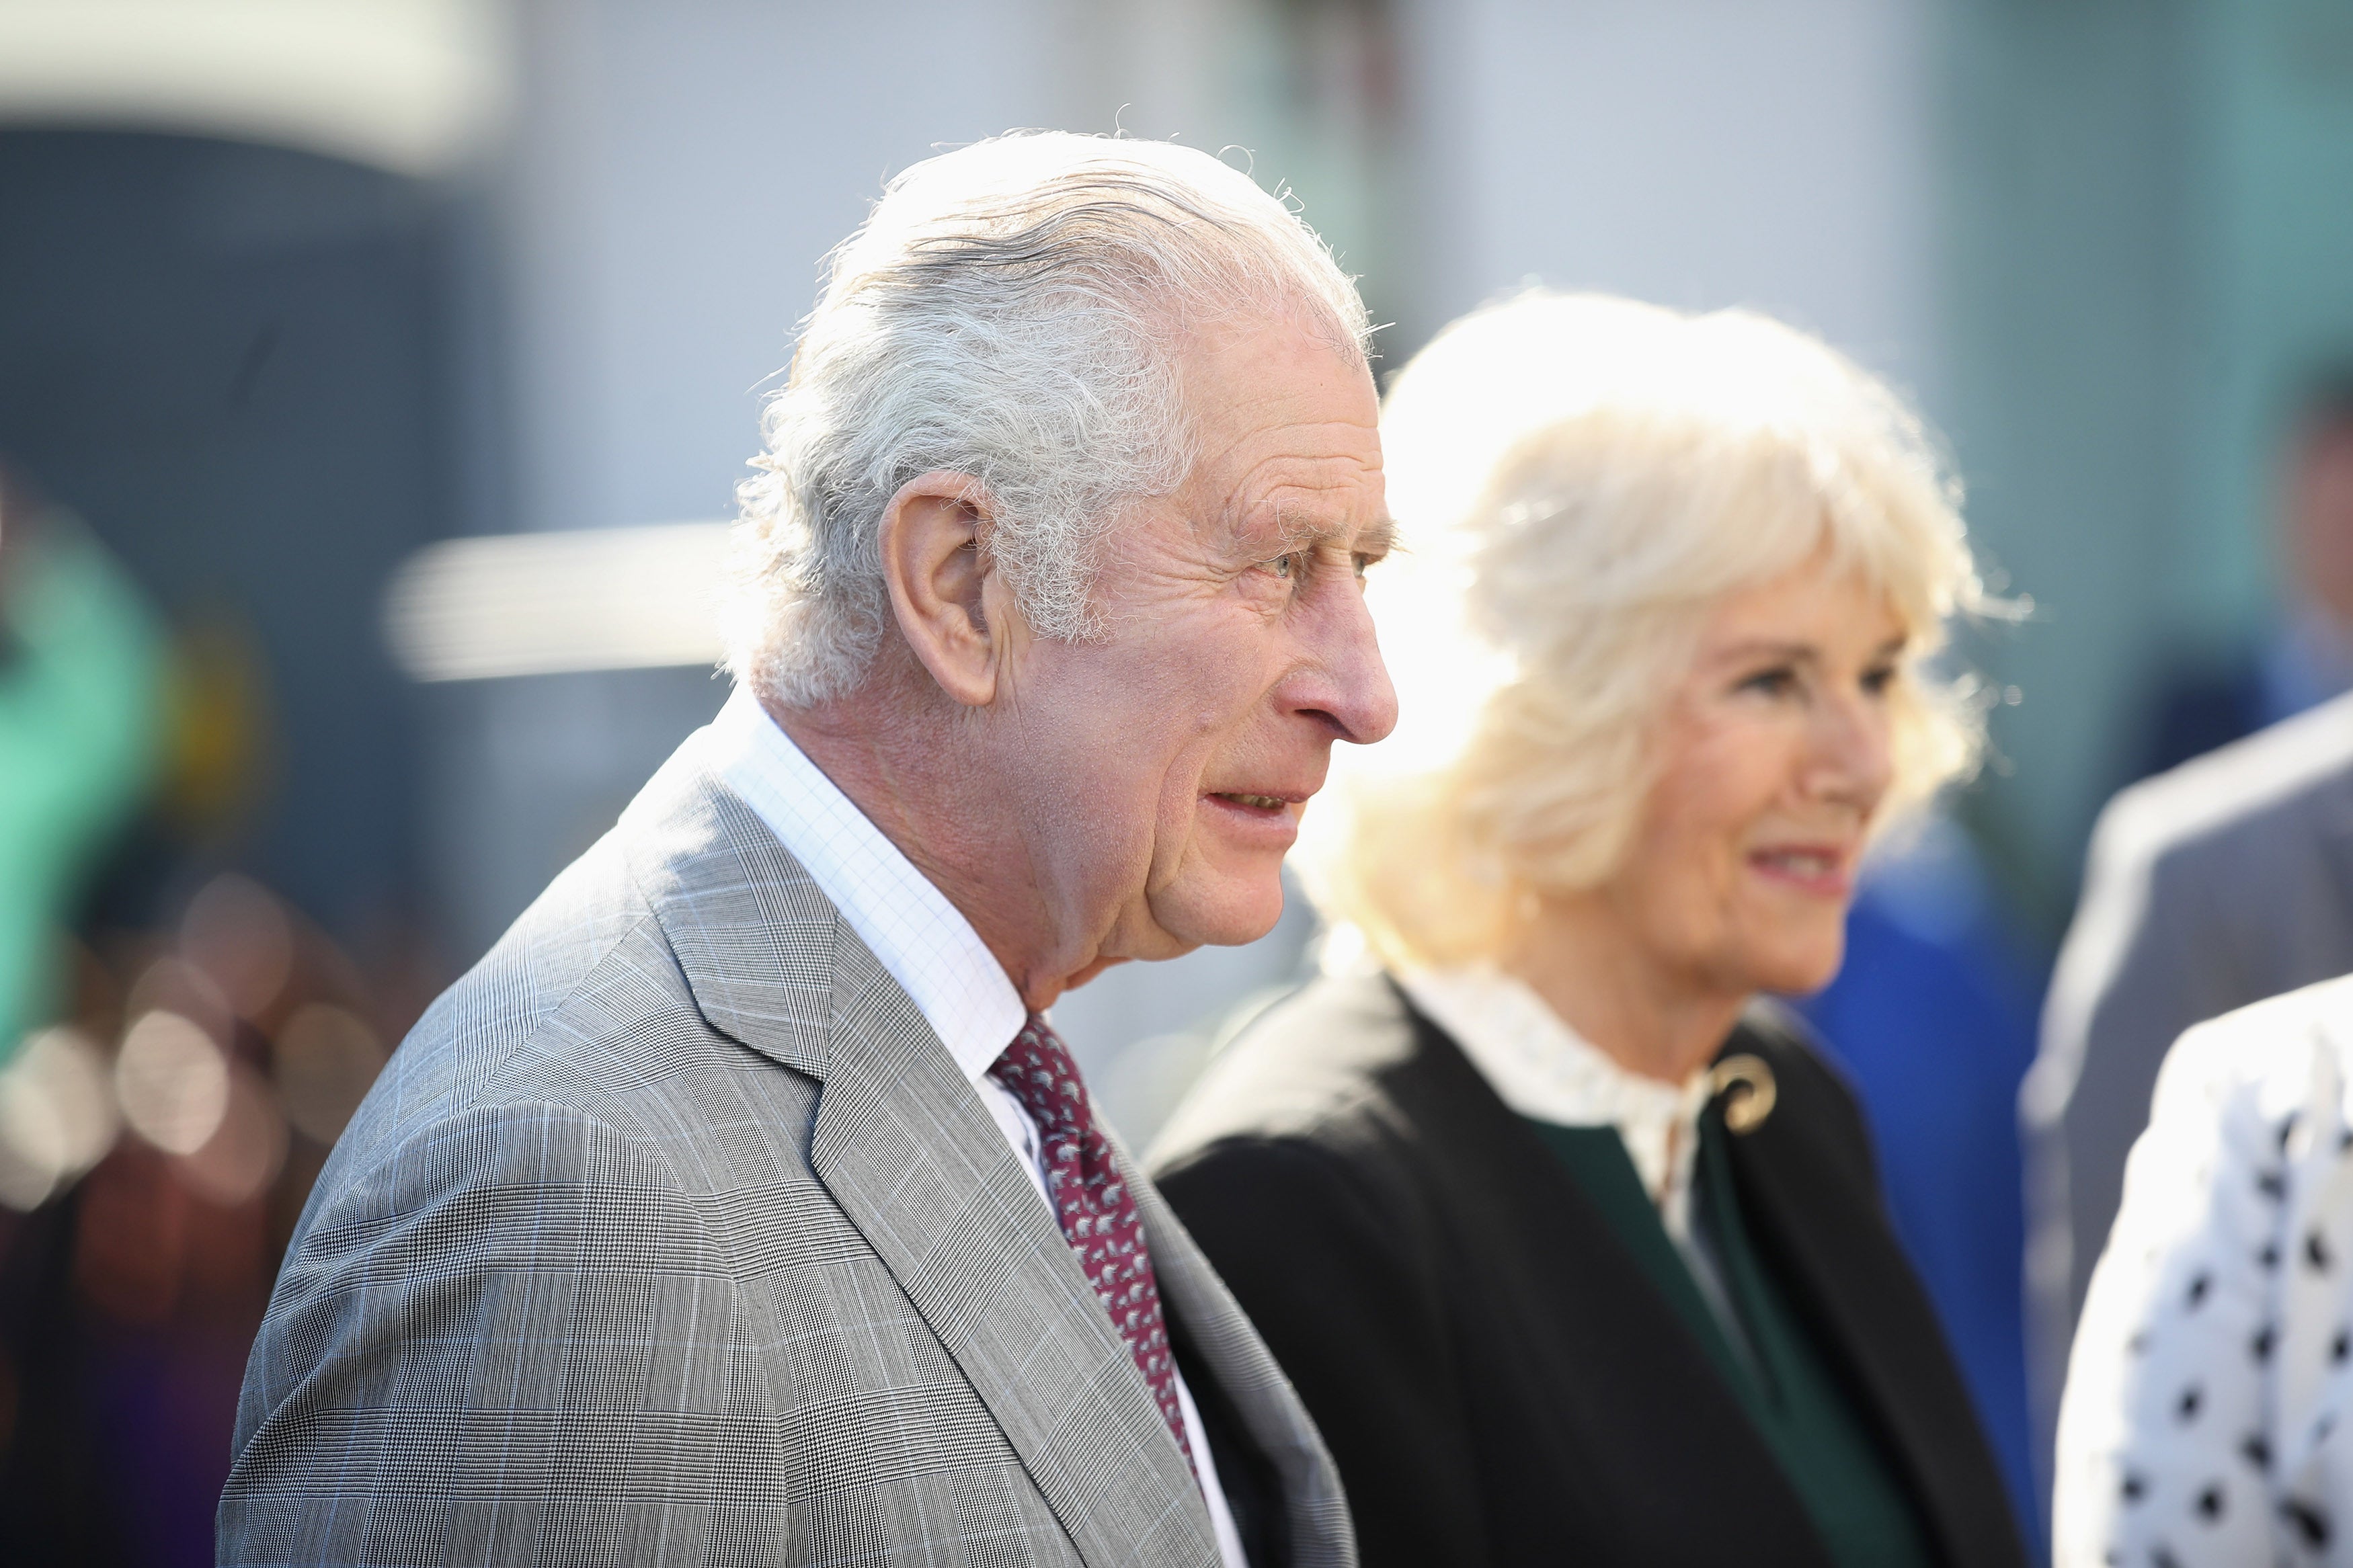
(1544,1070)
(925,943)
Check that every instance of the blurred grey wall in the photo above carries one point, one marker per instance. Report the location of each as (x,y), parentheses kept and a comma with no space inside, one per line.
(2147,241)
(1697,152)
(234,361)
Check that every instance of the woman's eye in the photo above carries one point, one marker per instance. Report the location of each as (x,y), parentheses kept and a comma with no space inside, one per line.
(1877,681)
(1777,682)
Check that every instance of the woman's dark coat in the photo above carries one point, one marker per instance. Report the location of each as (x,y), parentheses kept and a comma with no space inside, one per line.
(1498,1379)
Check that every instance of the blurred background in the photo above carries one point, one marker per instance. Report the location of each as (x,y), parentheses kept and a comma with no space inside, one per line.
(375,376)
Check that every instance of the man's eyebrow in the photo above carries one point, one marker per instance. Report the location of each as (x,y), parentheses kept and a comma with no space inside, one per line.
(1374,539)
(1302,528)
(1378,538)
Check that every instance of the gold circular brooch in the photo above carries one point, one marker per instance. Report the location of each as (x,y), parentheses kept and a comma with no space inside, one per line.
(1746,1082)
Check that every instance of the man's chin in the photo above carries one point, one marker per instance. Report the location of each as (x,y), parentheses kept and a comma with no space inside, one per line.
(1232,914)
(1091,970)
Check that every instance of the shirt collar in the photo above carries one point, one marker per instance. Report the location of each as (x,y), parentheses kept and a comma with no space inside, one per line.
(925,940)
(1545,1069)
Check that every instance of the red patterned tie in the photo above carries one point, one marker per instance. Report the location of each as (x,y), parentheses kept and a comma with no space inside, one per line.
(1091,1201)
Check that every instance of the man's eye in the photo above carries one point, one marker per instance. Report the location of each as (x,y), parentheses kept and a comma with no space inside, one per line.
(1285,566)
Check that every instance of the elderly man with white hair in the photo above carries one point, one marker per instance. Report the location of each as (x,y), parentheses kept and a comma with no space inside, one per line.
(742,1205)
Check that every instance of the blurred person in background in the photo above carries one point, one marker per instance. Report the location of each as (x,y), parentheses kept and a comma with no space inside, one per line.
(1574,1248)
(166,1092)
(2208,1417)
(741,1201)
(2225,880)
(80,701)
(81,696)
(2308,658)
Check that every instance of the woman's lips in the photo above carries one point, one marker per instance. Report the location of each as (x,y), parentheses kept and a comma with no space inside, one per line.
(1809,868)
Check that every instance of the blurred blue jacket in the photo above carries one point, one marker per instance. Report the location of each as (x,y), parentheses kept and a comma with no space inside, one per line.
(1933,1016)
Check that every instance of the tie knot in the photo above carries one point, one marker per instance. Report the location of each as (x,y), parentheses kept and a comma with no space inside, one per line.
(1037,1070)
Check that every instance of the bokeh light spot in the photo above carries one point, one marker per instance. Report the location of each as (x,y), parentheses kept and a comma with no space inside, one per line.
(324,1060)
(57,1116)
(239,936)
(246,1149)
(173,1082)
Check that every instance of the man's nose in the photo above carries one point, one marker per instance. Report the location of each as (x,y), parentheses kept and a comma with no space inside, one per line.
(1350,685)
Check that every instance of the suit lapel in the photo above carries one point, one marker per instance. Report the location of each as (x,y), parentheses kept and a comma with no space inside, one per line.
(904,1145)
(2333,816)
(1316,1512)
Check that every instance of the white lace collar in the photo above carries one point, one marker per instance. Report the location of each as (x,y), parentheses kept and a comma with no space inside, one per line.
(1543,1069)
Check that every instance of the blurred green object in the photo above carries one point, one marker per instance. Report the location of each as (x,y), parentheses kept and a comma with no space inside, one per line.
(81,690)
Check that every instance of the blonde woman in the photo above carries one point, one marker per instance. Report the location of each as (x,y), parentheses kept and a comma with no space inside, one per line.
(1575,1250)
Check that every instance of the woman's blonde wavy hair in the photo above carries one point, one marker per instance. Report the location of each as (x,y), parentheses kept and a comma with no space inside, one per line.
(1578,480)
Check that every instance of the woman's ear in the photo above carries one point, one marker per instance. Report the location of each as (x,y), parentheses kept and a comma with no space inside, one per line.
(936,565)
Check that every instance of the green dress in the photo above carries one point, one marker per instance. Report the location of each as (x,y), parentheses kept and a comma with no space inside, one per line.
(1801,1408)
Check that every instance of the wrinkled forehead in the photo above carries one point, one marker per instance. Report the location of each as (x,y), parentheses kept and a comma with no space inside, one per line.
(1301,501)
(1284,432)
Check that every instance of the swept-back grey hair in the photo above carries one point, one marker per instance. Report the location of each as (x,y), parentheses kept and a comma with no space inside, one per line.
(1011,311)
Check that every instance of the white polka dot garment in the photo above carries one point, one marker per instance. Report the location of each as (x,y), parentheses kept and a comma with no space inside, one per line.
(2212,1380)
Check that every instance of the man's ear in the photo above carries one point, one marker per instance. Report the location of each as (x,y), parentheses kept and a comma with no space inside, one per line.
(935,562)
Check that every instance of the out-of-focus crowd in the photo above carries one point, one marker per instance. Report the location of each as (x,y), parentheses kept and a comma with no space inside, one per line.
(173,1086)
(156,1143)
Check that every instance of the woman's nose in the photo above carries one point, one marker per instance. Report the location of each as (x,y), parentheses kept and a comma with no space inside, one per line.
(1853,758)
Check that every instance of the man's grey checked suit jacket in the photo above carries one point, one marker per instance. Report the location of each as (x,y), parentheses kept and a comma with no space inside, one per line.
(673,1235)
